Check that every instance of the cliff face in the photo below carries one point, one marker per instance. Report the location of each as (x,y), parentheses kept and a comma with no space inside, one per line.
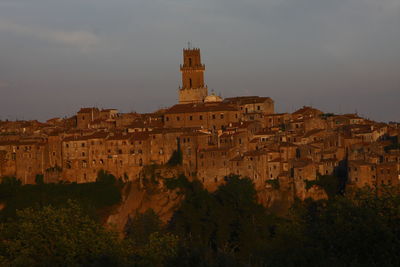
(149,192)
(278,201)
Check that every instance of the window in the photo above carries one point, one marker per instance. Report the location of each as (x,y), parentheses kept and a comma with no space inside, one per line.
(213,116)
(258,108)
(167,118)
(178,118)
(191,118)
(201,117)
(190,83)
(83,145)
(83,154)
(222,116)
(190,62)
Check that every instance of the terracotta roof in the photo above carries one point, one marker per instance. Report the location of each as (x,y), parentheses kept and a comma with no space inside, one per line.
(255,153)
(243,100)
(360,163)
(276,160)
(215,149)
(286,144)
(301,163)
(200,107)
(307,109)
(312,132)
(98,135)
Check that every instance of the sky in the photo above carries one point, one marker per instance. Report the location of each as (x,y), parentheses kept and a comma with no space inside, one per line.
(340,56)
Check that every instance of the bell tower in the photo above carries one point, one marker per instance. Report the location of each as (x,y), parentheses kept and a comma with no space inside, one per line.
(193,89)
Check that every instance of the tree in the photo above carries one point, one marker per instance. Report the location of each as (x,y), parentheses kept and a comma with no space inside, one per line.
(58,237)
(139,228)
(105,177)
(228,222)
(39,179)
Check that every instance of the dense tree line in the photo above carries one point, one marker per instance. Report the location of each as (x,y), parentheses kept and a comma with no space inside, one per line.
(223,228)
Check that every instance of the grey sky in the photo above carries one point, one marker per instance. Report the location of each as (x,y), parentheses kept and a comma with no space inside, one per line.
(59,55)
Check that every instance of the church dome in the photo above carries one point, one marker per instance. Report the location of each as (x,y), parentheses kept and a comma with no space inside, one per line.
(212,98)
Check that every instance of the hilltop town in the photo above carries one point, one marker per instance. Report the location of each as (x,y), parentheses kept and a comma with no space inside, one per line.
(214,136)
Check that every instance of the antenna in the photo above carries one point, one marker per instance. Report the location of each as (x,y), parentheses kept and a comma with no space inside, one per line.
(189,45)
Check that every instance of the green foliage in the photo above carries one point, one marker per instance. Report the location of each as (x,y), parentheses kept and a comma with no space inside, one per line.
(105,177)
(343,231)
(58,237)
(39,179)
(228,221)
(222,228)
(160,249)
(95,198)
(10,181)
(139,228)
(274,183)
(180,182)
(329,183)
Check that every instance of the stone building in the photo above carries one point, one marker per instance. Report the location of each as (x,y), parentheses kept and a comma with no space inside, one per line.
(193,89)
(85,116)
(213,116)
(252,107)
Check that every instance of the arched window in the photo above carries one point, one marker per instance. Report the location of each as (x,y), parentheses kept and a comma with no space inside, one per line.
(190,83)
(190,62)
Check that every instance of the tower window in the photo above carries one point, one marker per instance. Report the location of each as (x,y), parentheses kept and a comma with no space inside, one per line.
(201,117)
(190,83)
(190,62)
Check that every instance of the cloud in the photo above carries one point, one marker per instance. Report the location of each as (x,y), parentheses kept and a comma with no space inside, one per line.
(83,40)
